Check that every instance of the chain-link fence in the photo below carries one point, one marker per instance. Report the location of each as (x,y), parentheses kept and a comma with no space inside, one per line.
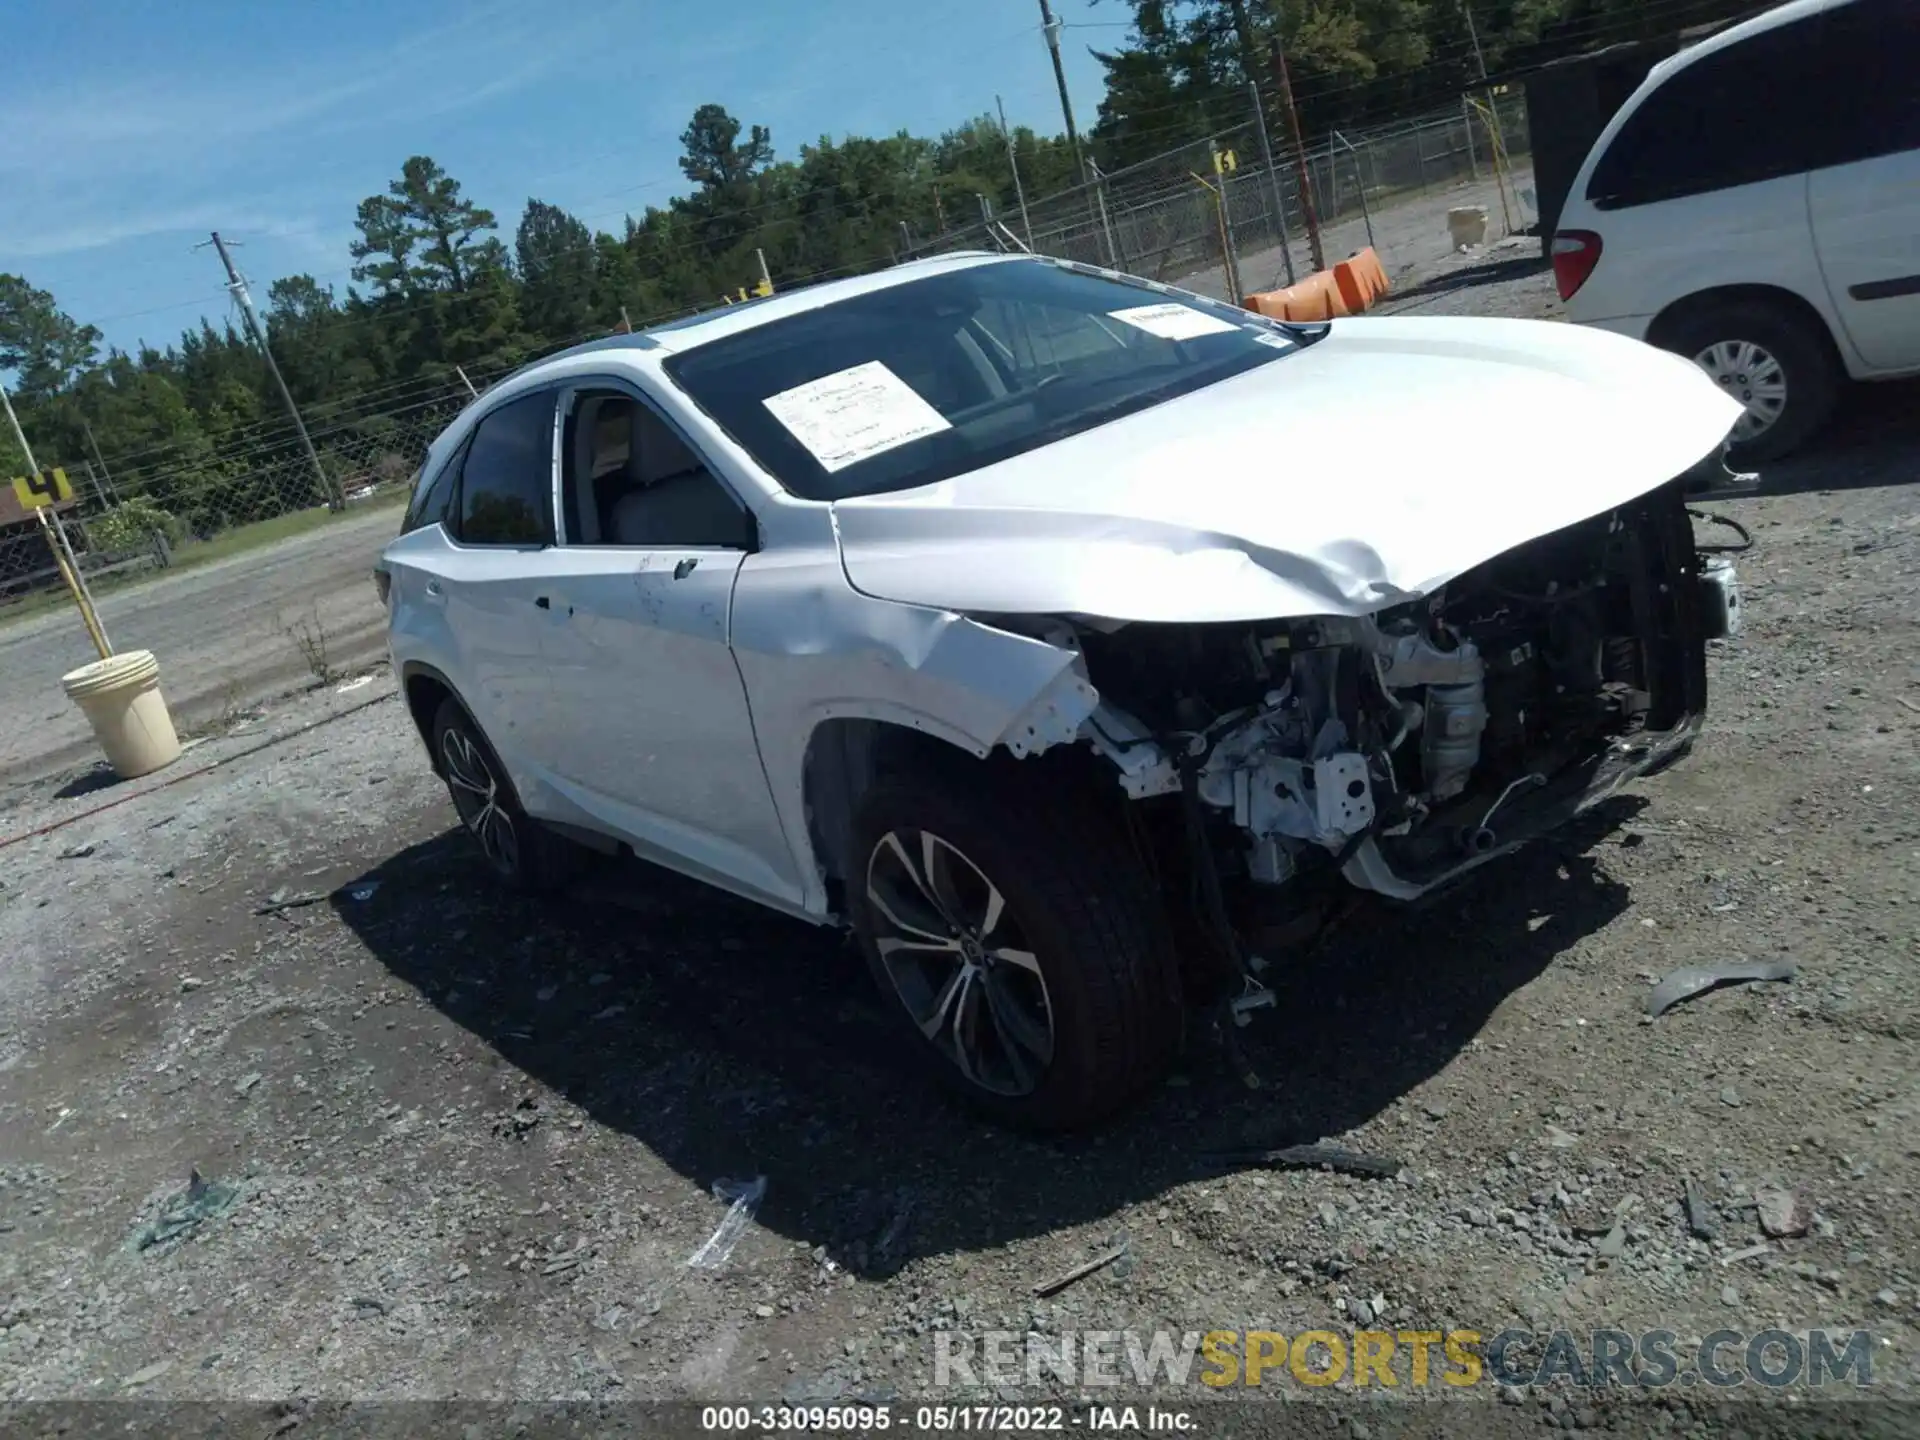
(198,500)
(1179,213)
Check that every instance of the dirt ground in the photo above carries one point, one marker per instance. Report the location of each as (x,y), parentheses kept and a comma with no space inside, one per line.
(455,1143)
(227,635)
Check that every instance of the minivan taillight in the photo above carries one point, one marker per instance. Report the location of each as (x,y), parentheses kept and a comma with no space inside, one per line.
(1575,253)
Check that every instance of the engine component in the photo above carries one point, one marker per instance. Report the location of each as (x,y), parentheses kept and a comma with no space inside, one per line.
(1450,737)
(1413,659)
(1254,772)
(1719,598)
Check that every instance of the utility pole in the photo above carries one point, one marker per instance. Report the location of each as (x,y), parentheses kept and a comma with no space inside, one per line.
(335,500)
(1494,140)
(1279,54)
(56,533)
(1273,177)
(1013,164)
(1051,28)
(105,474)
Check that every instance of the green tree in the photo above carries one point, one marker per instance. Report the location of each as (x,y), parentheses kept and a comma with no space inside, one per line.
(43,346)
(421,234)
(557,261)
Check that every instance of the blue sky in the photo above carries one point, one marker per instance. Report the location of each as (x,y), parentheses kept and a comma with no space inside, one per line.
(132,128)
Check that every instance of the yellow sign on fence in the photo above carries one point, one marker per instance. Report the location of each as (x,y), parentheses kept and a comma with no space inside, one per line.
(49,487)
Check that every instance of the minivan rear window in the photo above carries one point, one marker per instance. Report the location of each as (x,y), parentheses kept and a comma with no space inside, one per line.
(1735,117)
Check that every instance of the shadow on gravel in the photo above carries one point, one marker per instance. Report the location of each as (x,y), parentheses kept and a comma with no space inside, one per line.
(1468,277)
(733,1042)
(1873,440)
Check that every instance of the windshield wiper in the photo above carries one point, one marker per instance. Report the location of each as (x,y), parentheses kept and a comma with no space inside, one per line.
(1306,332)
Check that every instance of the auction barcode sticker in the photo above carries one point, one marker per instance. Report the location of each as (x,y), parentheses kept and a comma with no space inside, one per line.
(853,415)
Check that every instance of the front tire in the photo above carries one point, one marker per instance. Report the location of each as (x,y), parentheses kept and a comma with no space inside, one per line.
(1772,360)
(1024,954)
(517,848)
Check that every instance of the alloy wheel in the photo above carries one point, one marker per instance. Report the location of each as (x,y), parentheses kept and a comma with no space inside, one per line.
(1753,376)
(960,962)
(476,795)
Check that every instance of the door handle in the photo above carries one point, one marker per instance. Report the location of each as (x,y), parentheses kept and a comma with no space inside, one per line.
(684,568)
(544,602)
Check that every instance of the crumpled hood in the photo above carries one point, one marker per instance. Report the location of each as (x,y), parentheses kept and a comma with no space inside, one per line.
(1356,473)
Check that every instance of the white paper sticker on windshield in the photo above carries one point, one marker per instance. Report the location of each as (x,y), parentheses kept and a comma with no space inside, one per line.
(1270,338)
(851,415)
(1173,321)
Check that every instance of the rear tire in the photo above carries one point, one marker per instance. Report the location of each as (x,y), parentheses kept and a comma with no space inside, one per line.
(1027,960)
(1771,359)
(518,849)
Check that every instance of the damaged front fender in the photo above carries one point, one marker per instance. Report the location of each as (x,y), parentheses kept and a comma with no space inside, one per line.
(812,651)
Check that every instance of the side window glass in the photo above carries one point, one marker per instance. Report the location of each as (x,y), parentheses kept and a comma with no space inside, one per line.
(630,480)
(1717,123)
(1865,100)
(431,494)
(506,483)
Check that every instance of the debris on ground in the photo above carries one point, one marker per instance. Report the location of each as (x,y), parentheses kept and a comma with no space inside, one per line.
(283,900)
(146,1373)
(78,852)
(1117,1251)
(1700,1219)
(1307,1157)
(184,1213)
(515,1123)
(1784,1214)
(743,1199)
(1691,980)
(1750,1253)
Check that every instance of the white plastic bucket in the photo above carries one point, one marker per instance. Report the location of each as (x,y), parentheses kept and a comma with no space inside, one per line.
(120,697)
(1467,225)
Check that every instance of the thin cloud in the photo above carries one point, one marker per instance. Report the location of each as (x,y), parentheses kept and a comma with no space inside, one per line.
(124,163)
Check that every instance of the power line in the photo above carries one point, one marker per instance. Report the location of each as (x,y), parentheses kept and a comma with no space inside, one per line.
(239,288)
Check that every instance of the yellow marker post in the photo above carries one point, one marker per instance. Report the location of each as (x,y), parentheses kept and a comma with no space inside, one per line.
(40,492)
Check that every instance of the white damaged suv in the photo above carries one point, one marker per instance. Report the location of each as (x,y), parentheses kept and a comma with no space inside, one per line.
(1072,638)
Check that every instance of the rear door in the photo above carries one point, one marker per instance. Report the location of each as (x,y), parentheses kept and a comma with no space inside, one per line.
(470,580)
(1864,119)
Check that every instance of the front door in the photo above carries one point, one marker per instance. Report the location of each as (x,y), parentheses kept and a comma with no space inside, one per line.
(646,720)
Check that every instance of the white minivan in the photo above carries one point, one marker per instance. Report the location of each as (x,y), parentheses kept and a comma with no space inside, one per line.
(1755,205)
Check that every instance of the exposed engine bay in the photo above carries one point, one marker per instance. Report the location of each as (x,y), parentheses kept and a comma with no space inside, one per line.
(1402,749)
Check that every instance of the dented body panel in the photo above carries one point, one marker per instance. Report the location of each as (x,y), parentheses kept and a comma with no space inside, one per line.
(1369,469)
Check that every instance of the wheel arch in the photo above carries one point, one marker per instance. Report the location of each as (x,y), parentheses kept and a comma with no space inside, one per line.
(1665,324)
(426,690)
(846,754)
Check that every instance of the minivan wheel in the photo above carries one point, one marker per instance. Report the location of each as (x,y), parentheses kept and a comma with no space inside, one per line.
(1774,362)
(517,848)
(1024,955)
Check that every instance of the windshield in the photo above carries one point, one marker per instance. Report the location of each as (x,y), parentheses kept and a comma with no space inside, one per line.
(932,378)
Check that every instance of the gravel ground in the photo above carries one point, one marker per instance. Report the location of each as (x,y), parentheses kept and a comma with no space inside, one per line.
(471,1139)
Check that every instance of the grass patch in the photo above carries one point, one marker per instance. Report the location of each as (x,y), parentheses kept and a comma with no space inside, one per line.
(234,541)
